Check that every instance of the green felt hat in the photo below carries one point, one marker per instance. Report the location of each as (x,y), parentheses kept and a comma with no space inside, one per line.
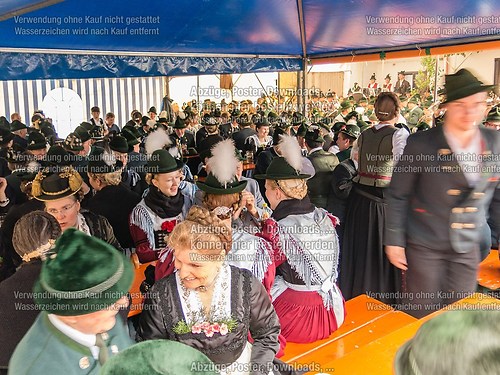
(279,169)
(346,104)
(351,130)
(454,342)
(17,125)
(213,186)
(52,184)
(422,126)
(119,144)
(162,162)
(73,142)
(402,98)
(326,123)
(462,84)
(272,117)
(362,125)
(302,130)
(297,119)
(36,141)
(150,358)
(180,123)
(131,135)
(413,100)
(82,133)
(314,134)
(101,161)
(493,115)
(223,166)
(84,275)
(337,126)
(5,135)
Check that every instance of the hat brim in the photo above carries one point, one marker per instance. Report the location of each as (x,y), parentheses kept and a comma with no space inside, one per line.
(276,177)
(37,146)
(8,138)
(466,91)
(179,165)
(238,188)
(73,307)
(402,361)
(133,142)
(45,197)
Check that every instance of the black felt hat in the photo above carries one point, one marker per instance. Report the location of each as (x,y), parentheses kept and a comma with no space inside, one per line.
(314,134)
(493,115)
(5,136)
(17,125)
(82,133)
(48,186)
(88,126)
(58,156)
(152,110)
(119,144)
(4,123)
(36,141)
(462,84)
(73,143)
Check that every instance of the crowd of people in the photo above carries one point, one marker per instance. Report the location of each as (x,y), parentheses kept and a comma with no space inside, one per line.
(261,223)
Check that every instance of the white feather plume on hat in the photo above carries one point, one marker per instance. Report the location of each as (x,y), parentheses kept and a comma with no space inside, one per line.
(156,141)
(108,157)
(223,163)
(291,151)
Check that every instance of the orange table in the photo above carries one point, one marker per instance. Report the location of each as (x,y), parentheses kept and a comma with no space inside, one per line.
(488,274)
(135,293)
(248,166)
(361,311)
(377,357)
(356,339)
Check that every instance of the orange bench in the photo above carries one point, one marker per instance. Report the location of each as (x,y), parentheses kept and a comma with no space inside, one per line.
(135,293)
(377,357)
(488,274)
(367,319)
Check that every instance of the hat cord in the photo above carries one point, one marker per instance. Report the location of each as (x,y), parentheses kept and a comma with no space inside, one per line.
(413,364)
(86,293)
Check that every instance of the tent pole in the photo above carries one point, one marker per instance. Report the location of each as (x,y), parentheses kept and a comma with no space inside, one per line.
(304,87)
(436,69)
(198,104)
(300,8)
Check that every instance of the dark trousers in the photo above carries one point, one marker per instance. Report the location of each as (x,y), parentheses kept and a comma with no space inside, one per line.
(436,278)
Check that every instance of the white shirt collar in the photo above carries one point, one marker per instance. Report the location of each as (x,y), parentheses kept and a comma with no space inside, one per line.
(314,150)
(84,339)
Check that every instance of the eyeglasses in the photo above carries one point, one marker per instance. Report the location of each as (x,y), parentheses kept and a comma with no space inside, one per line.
(63,210)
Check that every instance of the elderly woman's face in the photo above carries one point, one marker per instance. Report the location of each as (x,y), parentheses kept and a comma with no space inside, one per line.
(197,269)
(168,183)
(65,210)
